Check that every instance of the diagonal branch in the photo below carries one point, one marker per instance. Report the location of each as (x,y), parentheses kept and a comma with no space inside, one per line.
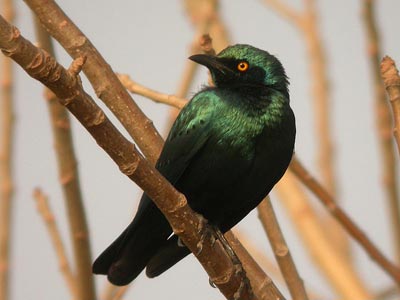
(69,180)
(47,215)
(393,271)
(105,83)
(186,223)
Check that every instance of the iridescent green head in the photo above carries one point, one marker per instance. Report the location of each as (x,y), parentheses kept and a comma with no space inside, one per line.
(245,66)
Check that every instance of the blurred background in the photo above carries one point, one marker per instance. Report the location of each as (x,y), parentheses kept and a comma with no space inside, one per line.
(150,40)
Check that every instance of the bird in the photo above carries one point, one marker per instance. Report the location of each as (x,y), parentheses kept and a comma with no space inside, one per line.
(227,148)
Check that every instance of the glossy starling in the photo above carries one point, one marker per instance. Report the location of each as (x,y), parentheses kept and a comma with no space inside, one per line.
(226,150)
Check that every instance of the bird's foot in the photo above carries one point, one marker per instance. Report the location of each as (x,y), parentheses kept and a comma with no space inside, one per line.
(239,270)
(206,231)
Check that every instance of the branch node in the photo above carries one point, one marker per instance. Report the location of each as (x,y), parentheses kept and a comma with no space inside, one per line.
(76,66)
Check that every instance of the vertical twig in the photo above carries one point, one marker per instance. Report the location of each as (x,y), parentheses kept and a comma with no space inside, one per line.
(69,179)
(391,79)
(282,254)
(383,125)
(6,157)
(51,225)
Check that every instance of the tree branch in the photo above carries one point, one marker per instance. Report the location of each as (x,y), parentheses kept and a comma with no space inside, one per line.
(391,79)
(383,126)
(186,223)
(305,177)
(69,180)
(6,163)
(136,88)
(339,274)
(105,83)
(289,271)
(55,237)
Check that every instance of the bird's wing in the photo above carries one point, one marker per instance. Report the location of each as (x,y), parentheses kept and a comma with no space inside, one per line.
(188,135)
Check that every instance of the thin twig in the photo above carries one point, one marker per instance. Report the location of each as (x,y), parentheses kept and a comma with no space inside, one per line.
(304,176)
(184,222)
(47,215)
(6,163)
(284,10)
(105,83)
(391,79)
(383,126)
(139,89)
(281,250)
(69,180)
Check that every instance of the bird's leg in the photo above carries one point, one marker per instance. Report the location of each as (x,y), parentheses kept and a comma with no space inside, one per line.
(206,231)
(245,284)
(227,247)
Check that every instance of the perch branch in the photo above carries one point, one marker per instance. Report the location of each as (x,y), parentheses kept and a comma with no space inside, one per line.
(6,163)
(302,174)
(391,79)
(105,83)
(69,180)
(55,237)
(383,125)
(186,223)
(262,284)
(289,271)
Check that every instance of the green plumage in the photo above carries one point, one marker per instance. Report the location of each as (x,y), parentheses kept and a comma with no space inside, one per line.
(228,147)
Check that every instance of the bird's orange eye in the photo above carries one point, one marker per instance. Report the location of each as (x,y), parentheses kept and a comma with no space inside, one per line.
(243,66)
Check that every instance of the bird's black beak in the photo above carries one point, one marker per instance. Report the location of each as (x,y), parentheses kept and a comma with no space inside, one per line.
(214,64)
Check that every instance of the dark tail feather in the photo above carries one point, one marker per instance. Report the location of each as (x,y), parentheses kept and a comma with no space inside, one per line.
(102,264)
(166,257)
(128,255)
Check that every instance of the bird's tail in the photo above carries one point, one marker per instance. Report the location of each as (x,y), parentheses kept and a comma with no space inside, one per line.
(170,253)
(129,254)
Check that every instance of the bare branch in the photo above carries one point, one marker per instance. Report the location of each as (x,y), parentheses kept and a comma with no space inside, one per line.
(285,11)
(338,273)
(106,84)
(6,162)
(305,177)
(69,180)
(383,126)
(136,88)
(55,237)
(185,223)
(391,79)
(281,250)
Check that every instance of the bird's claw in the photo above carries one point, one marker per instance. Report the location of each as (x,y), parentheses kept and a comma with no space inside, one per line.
(205,231)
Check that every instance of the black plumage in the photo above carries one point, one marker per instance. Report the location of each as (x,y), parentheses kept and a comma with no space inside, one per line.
(228,147)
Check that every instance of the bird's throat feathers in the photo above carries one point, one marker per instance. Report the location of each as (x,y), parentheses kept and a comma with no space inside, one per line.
(265,104)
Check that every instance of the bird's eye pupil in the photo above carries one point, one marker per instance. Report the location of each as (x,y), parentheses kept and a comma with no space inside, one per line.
(243,66)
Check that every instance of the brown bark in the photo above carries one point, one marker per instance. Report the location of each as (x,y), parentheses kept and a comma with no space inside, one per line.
(69,180)
(186,223)
(105,83)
